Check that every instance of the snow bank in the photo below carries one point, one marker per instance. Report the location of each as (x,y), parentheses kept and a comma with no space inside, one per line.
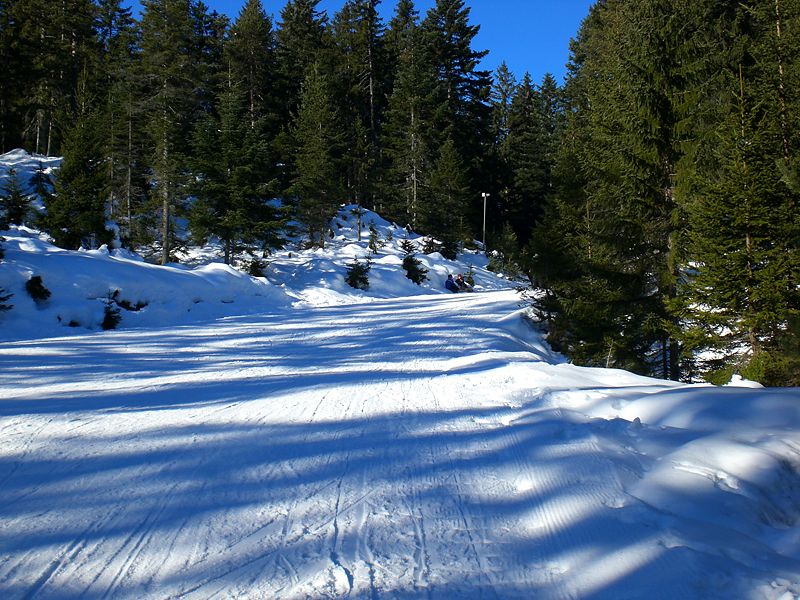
(82,283)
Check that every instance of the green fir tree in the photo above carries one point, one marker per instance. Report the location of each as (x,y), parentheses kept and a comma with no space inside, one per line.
(317,185)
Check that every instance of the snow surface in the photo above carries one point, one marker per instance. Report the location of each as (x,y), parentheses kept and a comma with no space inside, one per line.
(290,437)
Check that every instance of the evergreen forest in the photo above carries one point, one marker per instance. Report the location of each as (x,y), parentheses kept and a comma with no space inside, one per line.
(650,201)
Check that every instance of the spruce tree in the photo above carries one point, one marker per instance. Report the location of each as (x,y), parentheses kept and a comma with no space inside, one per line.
(14,203)
(169,81)
(251,60)
(55,45)
(741,297)
(411,264)
(404,21)
(443,216)
(498,176)
(360,64)
(41,183)
(526,153)
(614,228)
(76,212)
(230,187)
(503,91)
(12,90)
(118,46)
(301,43)
(463,112)
(409,123)
(317,184)
(5,295)
(209,30)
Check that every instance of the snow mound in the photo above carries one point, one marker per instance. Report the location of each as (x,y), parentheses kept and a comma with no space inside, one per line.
(316,277)
(82,283)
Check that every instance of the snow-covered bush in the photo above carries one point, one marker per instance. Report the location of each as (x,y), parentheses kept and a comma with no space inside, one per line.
(375,242)
(36,289)
(111,312)
(358,275)
(413,266)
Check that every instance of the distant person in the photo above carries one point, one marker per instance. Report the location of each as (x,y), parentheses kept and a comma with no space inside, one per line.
(451,285)
(463,286)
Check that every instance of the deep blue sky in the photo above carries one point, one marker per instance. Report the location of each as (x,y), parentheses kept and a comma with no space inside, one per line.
(530,35)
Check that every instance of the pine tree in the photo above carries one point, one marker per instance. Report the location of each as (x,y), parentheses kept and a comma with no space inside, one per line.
(409,122)
(463,112)
(76,212)
(443,216)
(169,81)
(251,59)
(317,184)
(301,43)
(360,63)
(14,203)
(230,189)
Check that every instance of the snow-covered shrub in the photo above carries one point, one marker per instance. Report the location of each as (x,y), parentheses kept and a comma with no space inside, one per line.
(413,266)
(126,304)
(375,242)
(469,276)
(5,295)
(430,245)
(36,289)
(358,274)
(414,269)
(111,312)
(256,268)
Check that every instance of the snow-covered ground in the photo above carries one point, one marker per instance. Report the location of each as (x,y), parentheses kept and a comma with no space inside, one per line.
(290,437)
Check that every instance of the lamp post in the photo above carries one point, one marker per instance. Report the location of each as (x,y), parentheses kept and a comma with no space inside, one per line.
(485,196)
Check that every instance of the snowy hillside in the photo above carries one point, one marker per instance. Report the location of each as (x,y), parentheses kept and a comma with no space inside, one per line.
(81,283)
(292,437)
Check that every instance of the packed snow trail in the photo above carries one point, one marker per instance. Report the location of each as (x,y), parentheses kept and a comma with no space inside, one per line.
(426,447)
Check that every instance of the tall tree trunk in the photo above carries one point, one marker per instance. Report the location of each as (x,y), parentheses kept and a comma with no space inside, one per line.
(165,206)
(129,173)
(781,84)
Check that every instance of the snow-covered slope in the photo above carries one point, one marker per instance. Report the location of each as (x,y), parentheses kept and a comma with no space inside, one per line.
(410,447)
(200,289)
(290,437)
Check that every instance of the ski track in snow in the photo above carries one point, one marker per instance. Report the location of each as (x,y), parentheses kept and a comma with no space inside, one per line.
(396,449)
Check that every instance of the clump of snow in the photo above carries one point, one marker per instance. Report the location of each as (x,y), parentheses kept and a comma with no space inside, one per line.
(739,381)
